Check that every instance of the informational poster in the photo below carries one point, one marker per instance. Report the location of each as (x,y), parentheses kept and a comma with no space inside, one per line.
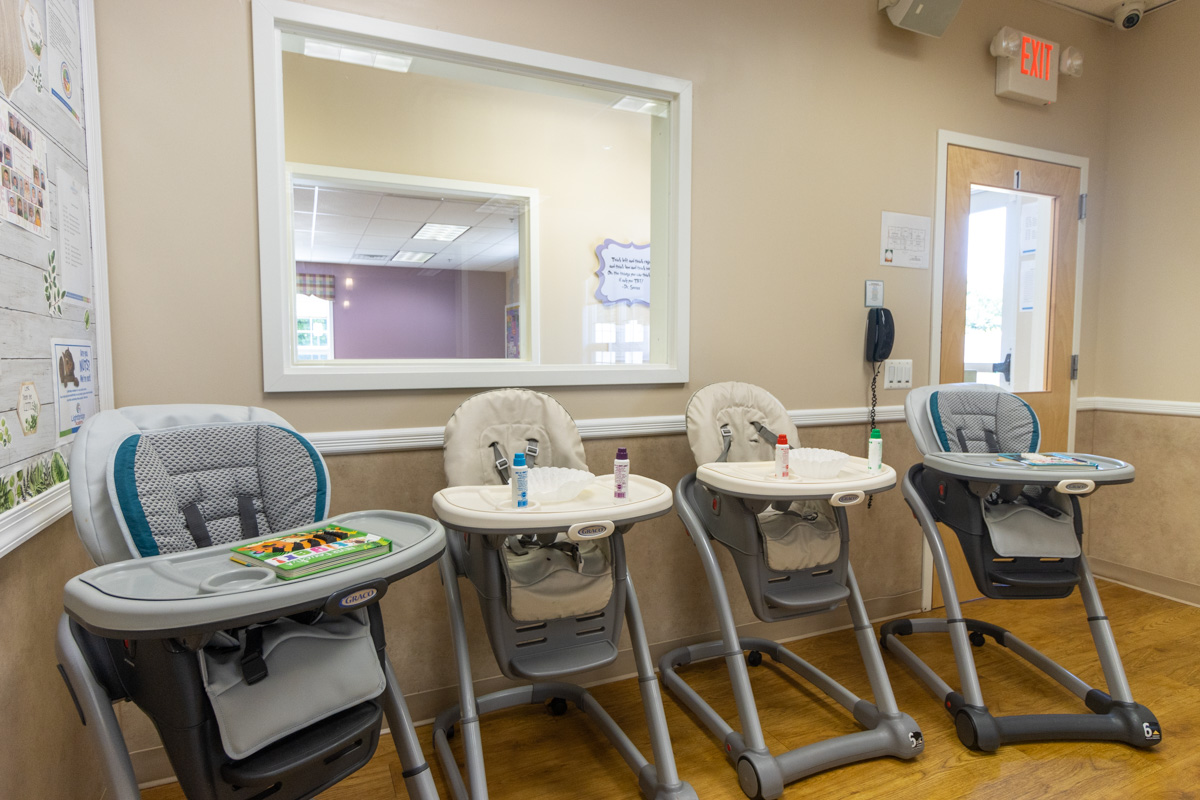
(904,241)
(29,408)
(512,330)
(624,273)
(23,173)
(64,56)
(75,385)
(74,235)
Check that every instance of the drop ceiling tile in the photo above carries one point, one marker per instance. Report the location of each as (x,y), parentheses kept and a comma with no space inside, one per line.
(408,209)
(328,223)
(335,239)
(389,243)
(425,245)
(302,198)
(302,221)
(347,203)
(486,236)
(392,227)
(332,255)
(453,212)
(499,221)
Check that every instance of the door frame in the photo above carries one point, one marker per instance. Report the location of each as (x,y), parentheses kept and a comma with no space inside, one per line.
(945,139)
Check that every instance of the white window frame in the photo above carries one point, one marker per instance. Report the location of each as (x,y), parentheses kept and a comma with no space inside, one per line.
(282,374)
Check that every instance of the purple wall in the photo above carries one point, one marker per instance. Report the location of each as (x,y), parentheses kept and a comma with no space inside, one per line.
(396,313)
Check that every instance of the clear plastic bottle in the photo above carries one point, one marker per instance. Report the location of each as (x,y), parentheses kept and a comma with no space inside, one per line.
(783,457)
(519,481)
(621,475)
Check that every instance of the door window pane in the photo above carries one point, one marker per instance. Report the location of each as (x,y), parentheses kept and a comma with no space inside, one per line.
(1008,289)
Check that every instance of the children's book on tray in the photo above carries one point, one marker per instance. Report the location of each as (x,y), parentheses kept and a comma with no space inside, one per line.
(1044,460)
(312,551)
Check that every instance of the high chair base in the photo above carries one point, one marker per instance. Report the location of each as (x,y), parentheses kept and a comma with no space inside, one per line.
(1116,717)
(761,775)
(657,781)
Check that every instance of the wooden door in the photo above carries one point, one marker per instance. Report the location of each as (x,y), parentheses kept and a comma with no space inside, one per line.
(1043,291)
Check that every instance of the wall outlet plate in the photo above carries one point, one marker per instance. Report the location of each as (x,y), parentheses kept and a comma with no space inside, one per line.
(897,373)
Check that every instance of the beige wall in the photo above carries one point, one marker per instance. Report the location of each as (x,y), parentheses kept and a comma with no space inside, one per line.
(1151,242)
(810,119)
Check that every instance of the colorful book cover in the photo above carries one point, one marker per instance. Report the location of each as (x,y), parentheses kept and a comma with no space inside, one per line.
(312,551)
(1045,460)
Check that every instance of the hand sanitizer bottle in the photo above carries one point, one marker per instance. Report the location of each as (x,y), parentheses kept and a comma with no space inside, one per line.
(621,475)
(783,457)
(519,481)
(875,451)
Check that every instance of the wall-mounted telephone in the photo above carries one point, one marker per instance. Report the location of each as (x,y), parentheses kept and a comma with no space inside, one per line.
(881,332)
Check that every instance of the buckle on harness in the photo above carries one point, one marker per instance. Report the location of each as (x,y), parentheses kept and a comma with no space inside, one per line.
(254,666)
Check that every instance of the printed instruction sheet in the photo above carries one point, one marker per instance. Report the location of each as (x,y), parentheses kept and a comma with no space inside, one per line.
(904,241)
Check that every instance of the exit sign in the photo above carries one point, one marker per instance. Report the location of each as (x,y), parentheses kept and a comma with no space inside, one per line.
(1028,68)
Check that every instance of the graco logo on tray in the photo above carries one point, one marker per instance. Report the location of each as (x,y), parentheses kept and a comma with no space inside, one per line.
(358,598)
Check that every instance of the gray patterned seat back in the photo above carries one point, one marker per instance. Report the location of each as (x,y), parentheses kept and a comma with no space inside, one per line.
(971,418)
(160,479)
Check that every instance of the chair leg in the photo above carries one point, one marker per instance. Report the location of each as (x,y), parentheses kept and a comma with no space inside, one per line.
(418,780)
(96,709)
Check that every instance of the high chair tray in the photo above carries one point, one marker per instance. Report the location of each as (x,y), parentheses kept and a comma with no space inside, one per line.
(982,467)
(163,595)
(756,480)
(488,509)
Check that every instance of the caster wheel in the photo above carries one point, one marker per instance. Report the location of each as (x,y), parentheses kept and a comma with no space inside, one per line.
(976,638)
(748,780)
(450,732)
(754,658)
(557,706)
(965,727)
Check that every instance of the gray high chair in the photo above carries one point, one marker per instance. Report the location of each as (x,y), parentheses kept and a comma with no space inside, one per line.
(551,581)
(258,687)
(790,543)
(1021,531)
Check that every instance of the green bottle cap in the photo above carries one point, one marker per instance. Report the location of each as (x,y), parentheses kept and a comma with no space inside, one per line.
(875,434)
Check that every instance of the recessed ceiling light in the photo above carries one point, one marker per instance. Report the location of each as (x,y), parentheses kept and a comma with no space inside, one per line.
(413,256)
(318,49)
(441,233)
(356,55)
(352,55)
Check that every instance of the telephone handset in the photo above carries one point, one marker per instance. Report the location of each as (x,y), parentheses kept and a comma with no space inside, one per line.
(881,332)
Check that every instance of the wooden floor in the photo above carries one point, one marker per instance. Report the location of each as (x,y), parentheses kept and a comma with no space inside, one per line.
(530,754)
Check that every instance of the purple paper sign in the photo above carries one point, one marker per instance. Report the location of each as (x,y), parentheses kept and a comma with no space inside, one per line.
(624,273)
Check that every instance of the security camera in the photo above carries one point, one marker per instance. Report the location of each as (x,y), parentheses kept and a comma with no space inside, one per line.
(1129,14)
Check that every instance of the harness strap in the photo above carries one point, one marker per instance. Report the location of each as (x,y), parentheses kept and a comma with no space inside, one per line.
(248,516)
(531,451)
(962,440)
(254,666)
(766,435)
(501,462)
(727,437)
(992,442)
(195,525)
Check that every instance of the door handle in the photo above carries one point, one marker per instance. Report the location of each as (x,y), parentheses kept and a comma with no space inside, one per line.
(1004,368)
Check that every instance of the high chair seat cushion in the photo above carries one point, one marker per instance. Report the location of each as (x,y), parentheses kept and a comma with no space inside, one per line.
(551,583)
(313,672)
(511,418)
(804,536)
(738,405)
(152,486)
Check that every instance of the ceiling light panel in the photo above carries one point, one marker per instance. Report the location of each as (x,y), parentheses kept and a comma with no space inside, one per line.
(413,257)
(441,233)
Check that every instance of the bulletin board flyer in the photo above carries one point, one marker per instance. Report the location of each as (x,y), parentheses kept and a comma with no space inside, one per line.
(25,188)
(75,387)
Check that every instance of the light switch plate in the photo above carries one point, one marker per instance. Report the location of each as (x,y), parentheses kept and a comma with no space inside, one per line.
(897,373)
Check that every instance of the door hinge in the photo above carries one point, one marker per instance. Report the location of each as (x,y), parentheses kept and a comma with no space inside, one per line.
(1083,206)
(1074,367)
